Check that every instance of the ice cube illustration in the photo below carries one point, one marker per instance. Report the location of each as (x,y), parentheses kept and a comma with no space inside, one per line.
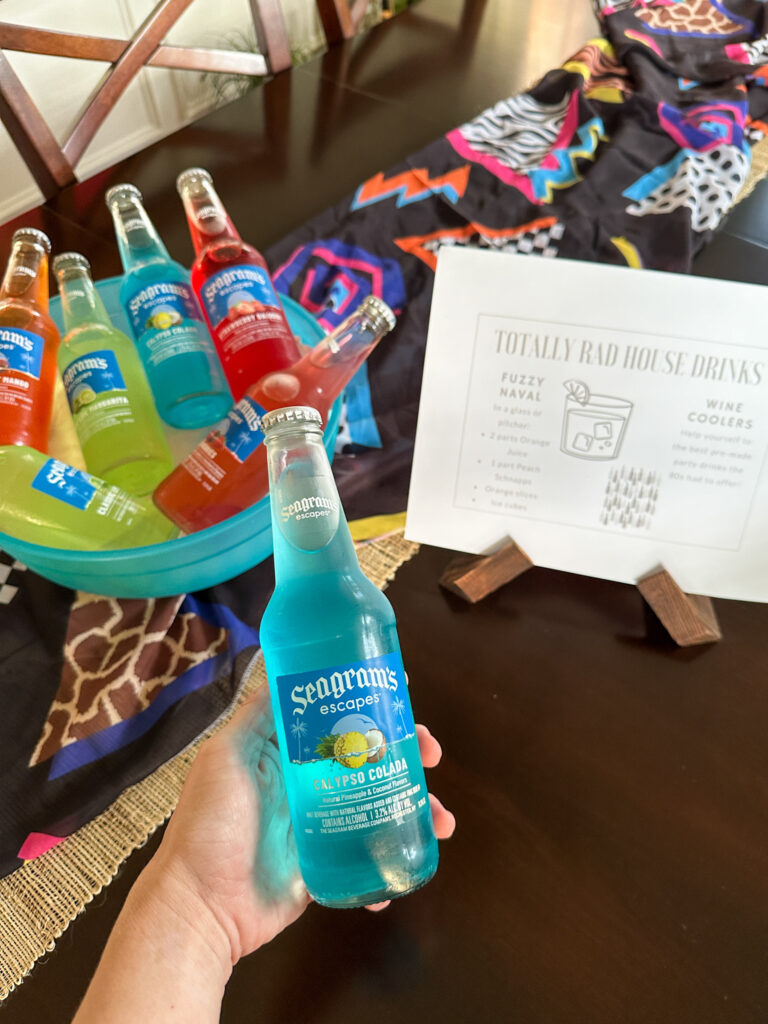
(582,442)
(603,431)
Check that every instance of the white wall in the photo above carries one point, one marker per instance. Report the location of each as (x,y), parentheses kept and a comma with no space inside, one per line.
(156,103)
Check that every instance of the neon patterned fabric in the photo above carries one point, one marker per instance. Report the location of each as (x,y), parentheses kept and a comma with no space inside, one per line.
(630,153)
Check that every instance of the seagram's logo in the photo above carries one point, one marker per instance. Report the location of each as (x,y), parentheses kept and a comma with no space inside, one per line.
(312,507)
(337,684)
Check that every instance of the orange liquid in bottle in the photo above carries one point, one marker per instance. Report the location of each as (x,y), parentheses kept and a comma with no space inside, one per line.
(29,340)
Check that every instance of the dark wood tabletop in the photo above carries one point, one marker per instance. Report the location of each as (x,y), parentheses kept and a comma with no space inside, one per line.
(610,862)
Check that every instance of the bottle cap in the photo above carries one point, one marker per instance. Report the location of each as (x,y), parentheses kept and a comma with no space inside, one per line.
(33,236)
(382,316)
(124,191)
(294,415)
(191,178)
(70,261)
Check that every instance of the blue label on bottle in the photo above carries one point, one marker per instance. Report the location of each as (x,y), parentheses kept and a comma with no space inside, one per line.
(21,350)
(156,307)
(236,292)
(242,428)
(65,483)
(350,714)
(88,377)
(167,321)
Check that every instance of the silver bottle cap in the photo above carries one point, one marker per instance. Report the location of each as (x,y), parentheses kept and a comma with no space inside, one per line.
(65,261)
(294,415)
(33,236)
(124,191)
(191,178)
(382,316)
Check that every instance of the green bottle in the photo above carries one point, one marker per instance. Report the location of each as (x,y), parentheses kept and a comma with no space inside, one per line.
(45,501)
(115,417)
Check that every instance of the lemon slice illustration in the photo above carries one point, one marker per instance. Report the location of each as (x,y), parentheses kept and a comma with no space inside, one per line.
(578,391)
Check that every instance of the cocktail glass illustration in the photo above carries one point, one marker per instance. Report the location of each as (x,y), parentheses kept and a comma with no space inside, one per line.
(593,425)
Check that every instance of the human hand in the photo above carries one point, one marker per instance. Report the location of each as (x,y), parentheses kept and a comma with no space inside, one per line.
(229,842)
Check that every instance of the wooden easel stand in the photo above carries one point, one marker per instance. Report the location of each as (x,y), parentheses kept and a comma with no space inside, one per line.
(690,619)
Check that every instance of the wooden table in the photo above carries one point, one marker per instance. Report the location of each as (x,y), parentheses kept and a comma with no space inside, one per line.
(611,858)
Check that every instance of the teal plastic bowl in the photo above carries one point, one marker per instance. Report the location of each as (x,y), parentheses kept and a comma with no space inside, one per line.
(177,566)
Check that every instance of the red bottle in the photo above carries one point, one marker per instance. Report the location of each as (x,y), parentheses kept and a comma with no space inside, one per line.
(232,282)
(29,340)
(227,472)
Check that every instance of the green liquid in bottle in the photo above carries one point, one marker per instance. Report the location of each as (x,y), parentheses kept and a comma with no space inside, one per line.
(112,407)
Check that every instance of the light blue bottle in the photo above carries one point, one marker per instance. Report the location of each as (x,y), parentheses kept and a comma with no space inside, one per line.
(350,756)
(167,324)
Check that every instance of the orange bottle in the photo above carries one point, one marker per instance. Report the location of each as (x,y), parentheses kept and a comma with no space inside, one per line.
(28,343)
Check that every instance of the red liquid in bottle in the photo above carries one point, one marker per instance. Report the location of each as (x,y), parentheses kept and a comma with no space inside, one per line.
(227,472)
(232,282)
(29,340)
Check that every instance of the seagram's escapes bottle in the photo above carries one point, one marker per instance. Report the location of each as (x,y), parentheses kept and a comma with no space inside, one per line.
(28,343)
(115,418)
(232,281)
(350,756)
(45,501)
(167,323)
(227,472)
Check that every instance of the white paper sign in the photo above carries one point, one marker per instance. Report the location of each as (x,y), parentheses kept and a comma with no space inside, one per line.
(609,420)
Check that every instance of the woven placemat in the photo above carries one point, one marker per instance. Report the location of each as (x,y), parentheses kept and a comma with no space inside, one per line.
(41,899)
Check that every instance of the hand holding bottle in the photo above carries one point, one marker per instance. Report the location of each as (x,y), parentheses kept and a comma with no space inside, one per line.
(223,882)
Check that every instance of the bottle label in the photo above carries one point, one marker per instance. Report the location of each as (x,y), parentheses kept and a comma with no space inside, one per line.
(166,318)
(353,725)
(65,483)
(242,304)
(97,394)
(241,430)
(78,489)
(238,291)
(21,357)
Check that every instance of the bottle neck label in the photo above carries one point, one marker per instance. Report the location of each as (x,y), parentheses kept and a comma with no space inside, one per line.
(64,483)
(242,433)
(237,292)
(21,351)
(350,715)
(307,509)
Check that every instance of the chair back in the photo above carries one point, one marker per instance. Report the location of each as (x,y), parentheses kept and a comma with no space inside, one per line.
(53,164)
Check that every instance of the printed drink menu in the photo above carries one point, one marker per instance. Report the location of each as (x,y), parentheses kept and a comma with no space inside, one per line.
(609,420)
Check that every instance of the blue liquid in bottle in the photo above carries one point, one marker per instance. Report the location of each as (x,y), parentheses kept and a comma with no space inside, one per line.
(167,324)
(350,756)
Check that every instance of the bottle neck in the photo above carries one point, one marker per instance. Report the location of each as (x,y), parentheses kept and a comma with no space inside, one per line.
(331,364)
(26,276)
(137,238)
(209,223)
(309,532)
(80,302)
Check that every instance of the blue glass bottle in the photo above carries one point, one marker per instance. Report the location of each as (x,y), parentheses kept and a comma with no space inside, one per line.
(350,756)
(167,324)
